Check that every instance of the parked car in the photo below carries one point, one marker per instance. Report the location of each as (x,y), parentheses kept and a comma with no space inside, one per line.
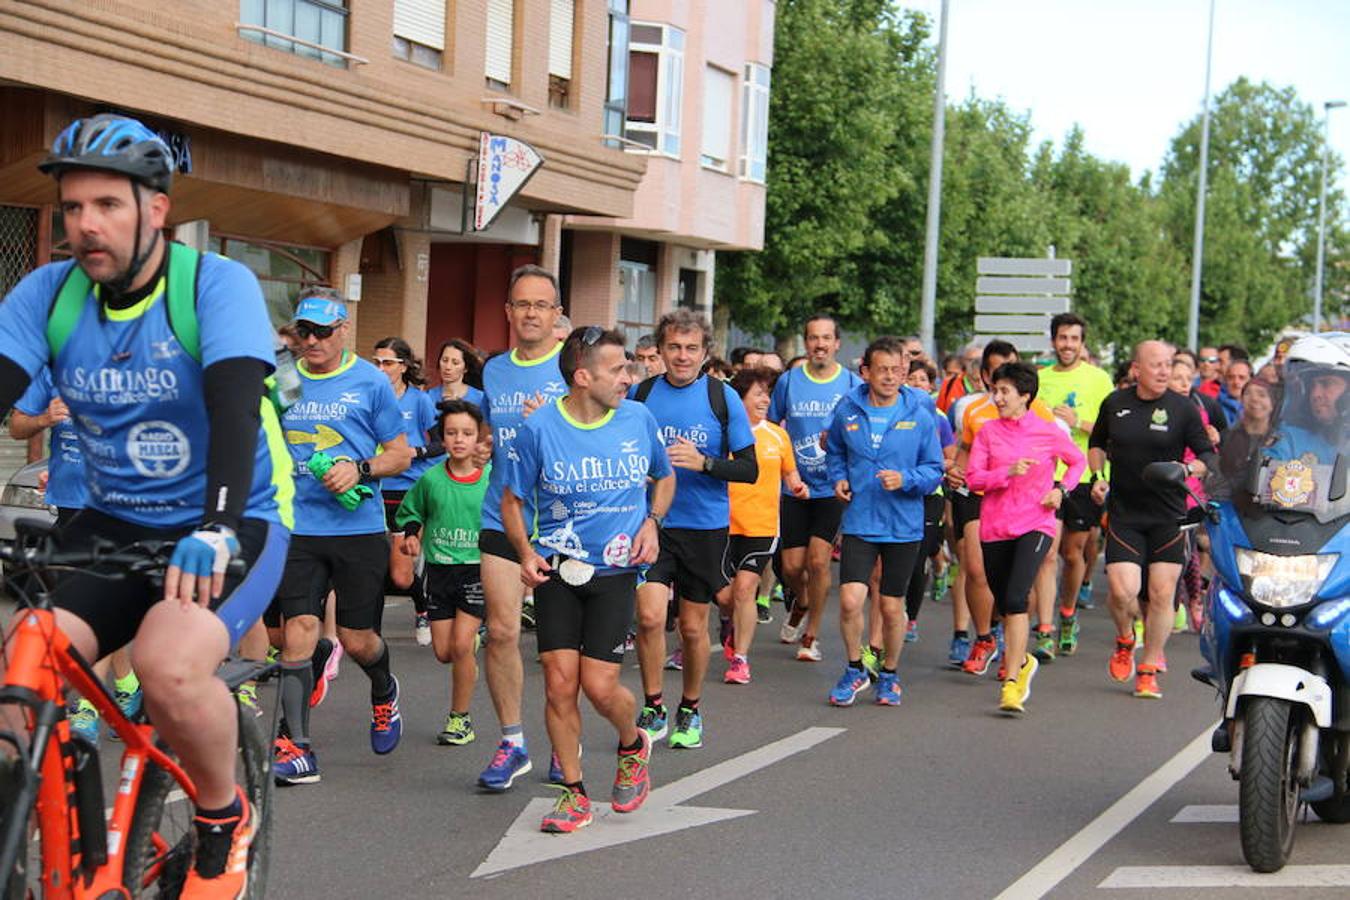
(23,498)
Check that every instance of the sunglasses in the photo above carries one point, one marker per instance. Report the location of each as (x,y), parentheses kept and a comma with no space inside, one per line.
(309,329)
(592,334)
(385,362)
(1209,359)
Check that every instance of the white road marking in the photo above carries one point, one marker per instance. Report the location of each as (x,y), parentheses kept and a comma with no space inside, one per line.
(1053,869)
(1221,814)
(1146,877)
(524,844)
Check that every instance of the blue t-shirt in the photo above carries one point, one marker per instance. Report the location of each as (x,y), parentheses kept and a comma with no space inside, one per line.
(471,395)
(507,383)
(418,412)
(804,405)
(65,465)
(136,397)
(589,481)
(684,412)
(347,413)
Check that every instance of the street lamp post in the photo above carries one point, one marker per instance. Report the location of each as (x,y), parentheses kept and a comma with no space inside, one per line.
(1322,213)
(1198,251)
(928,297)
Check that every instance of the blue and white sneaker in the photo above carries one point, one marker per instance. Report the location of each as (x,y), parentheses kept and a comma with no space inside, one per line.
(130,703)
(852,683)
(959,651)
(888,689)
(653,720)
(1085,596)
(386,725)
(998,639)
(84,721)
(294,764)
(508,763)
(555,772)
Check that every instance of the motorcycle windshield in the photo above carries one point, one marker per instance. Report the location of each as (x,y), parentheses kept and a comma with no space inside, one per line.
(1290,451)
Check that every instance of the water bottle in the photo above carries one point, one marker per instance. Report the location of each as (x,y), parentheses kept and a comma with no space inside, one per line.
(286,379)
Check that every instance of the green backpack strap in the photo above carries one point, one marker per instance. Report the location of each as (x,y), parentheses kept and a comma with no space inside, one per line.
(66,308)
(182,298)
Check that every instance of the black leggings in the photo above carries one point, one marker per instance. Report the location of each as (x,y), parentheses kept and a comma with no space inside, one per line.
(934,506)
(1011,567)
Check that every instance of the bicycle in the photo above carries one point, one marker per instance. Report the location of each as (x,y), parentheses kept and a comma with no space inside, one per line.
(54,834)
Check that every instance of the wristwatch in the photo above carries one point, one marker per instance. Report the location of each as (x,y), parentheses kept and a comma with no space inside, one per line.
(363,467)
(659,520)
(707,464)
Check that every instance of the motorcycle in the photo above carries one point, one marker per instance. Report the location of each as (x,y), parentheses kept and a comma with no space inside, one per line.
(1276,637)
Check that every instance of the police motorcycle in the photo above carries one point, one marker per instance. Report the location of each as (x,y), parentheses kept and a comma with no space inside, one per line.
(1276,639)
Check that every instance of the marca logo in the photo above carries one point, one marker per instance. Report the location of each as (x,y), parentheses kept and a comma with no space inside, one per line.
(630,446)
(349,397)
(904,426)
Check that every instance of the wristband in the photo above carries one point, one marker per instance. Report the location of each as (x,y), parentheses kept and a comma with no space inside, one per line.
(659,520)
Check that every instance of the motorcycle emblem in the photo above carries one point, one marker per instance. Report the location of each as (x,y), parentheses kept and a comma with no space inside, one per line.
(1292,484)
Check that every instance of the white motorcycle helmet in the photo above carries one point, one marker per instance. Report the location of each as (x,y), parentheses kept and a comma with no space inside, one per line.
(1330,350)
(1309,357)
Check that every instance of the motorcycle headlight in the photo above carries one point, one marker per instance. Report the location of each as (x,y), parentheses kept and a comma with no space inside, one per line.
(1282,582)
(22,496)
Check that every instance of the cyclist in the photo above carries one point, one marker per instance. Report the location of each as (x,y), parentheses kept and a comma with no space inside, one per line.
(180,444)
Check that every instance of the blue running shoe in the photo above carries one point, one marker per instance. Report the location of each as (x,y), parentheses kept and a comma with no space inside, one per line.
(888,689)
(653,720)
(386,725)
(852,683)
(293,764)
(1085,596)
(130,703)
(959,651)
(508,763)
(84,721)
(998,639)
(555,772)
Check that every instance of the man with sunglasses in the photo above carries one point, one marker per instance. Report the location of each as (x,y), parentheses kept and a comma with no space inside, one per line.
(1208,380)
(348,412)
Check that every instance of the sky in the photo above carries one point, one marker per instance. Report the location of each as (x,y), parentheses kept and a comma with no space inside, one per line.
(1130,72)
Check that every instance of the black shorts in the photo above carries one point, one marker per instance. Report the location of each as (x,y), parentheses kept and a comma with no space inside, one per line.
(747,554)
(1011,568)
(965,509)
(492,542)
(353,565)
(1078,512)
(934,508)
(690,561)
(1144,544)
(801,520)
(591,618)
(391,499)
(857,558)
(452,589)
(114,609)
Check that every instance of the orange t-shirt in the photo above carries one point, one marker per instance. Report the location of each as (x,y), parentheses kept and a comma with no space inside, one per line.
(984,410)
(754,507)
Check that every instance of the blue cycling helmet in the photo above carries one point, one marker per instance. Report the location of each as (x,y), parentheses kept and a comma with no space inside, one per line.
(112,143)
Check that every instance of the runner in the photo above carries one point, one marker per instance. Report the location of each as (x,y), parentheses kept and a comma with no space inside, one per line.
(702,422)
(461,374)
(883,456)
(442,516)
(1013,461)
(650,357)
(1137,426)
(587,459)
(754,522)
(930,567)
(514,385)
(803,400)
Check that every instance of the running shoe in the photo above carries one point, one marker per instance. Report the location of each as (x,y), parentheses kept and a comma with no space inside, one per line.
(319,692)
(1068,635)
(888,689)
(220,861)
(852,683)
(791,634)
(738,671)
(870,662)
(508,763)
(527,617)
(633,780)
(809,651)
(130,703)
(422,630)
(247,697)
(1085,596)
(653,720)
(1017,691)
(1179,620)
(675,661)
(1121,667)
(293,764)
(457,731)
(570,813)
(912,631)
(959,651)
(386,725)
(1023,680)
(555,772)
(777,594)
(324,652)
(1044,651)
(688,733)
(330,668)
(1146,684)
(763,611)
(983,652)
(997,631)
(84,721)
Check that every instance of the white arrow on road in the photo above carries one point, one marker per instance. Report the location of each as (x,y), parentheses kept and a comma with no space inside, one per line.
(524,844)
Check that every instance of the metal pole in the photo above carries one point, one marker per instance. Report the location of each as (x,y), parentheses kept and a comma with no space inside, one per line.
(1322,213)
(928,307)
(1198,251)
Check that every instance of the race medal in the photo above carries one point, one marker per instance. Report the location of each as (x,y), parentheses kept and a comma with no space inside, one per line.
(575,572)
(1292,484)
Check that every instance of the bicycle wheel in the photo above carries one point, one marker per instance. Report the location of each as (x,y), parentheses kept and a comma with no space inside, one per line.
(26,873)
(160,843)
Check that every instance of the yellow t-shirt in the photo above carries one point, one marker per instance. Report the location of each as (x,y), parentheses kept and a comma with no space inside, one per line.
(754,507)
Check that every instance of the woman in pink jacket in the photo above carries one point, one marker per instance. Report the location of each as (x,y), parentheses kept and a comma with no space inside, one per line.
(1013,462)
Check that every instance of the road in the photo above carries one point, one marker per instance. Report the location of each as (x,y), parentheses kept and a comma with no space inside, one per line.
(942,797)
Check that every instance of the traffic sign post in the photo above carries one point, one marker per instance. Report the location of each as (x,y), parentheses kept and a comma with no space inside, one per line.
(1015,298)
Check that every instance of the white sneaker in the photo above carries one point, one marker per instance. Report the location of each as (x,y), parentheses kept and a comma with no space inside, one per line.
(422,630)
(809,652)
(791,634)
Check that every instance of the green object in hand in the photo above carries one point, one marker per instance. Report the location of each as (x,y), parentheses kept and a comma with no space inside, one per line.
(318,466)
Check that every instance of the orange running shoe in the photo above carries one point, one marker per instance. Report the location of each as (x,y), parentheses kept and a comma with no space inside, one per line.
(1146,684)
(1121,666)
(220,865)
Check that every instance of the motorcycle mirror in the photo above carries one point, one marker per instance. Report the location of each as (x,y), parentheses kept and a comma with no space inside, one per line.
(1338,477)
(1165,473)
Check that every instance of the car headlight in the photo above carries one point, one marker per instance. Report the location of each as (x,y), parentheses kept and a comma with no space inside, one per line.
(1281,582)
(23,496)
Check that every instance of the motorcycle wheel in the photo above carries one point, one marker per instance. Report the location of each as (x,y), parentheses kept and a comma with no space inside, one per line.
(1268,790)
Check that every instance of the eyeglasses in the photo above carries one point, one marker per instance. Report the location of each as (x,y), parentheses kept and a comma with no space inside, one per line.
(527,305)
(386,362)
(1209,359)
(309,329)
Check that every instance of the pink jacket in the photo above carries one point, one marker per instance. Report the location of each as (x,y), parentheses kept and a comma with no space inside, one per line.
(1012,504)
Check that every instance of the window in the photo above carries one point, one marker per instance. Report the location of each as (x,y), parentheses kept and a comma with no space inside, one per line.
(501,40)
(755,123)
(719,86)
(282,271)
(322,22)
(655,86)
(561,25)
(419,31)
(616,87)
